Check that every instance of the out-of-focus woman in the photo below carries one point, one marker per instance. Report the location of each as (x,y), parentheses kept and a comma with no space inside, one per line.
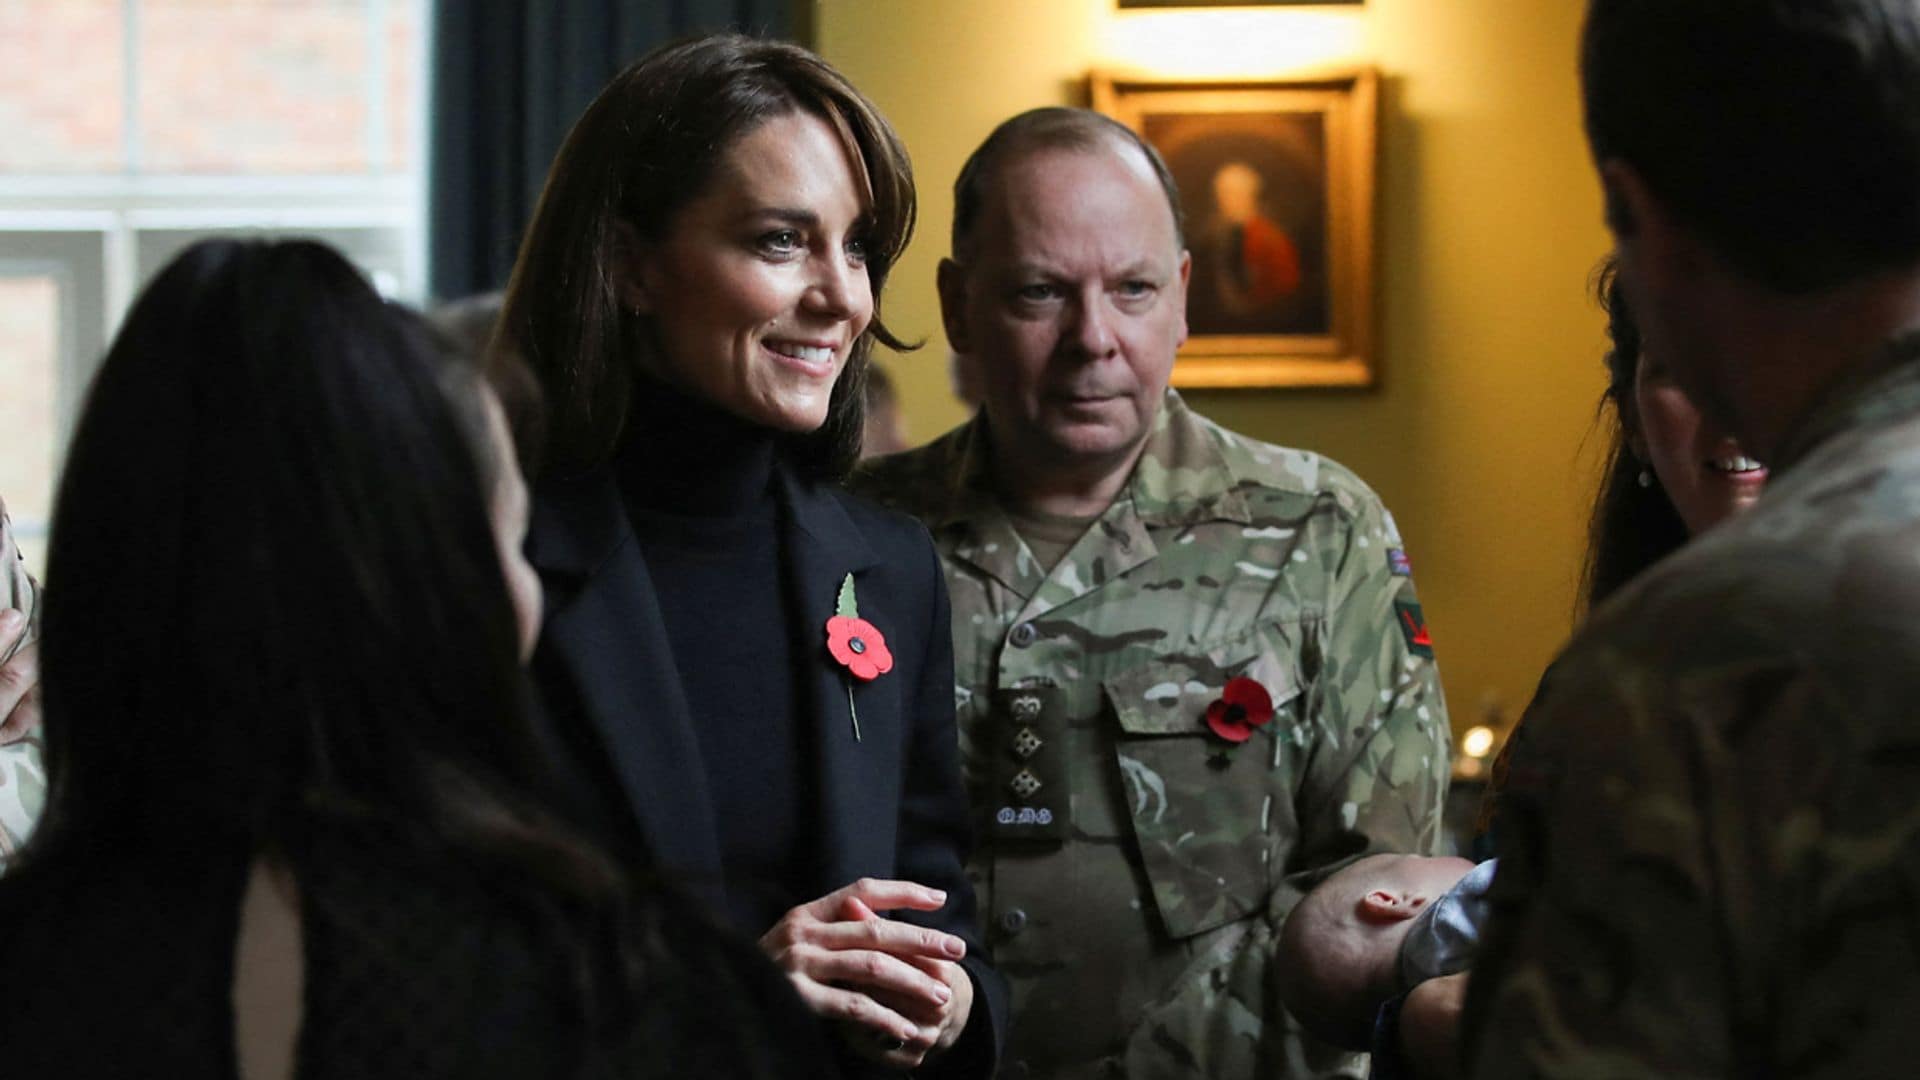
(297,825)
(1671,474)
(747,670)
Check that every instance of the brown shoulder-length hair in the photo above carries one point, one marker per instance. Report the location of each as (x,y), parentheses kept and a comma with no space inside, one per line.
(636,157)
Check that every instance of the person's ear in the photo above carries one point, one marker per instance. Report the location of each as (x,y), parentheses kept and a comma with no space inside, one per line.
(951,280)
(1388,906)
(1637,446)
(1616,178)
(633,260)
(1183,279)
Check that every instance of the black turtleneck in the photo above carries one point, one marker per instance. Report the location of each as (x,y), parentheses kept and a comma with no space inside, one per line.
(699,488)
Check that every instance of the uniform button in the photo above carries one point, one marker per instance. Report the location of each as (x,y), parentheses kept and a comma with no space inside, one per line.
(1023,635)
(1015,1070)
(1013,920)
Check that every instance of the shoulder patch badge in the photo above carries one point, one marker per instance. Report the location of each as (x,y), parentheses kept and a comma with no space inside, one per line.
(1398,564)
(1413,625)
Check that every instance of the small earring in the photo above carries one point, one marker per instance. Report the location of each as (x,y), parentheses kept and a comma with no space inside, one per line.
(1646,478)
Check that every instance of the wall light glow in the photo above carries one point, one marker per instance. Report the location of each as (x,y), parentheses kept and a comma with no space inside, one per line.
(1477,741)
(1226,44)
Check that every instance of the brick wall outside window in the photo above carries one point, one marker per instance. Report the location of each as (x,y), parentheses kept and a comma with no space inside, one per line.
(132,127)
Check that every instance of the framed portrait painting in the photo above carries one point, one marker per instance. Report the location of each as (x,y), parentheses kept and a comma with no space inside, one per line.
(1276,186)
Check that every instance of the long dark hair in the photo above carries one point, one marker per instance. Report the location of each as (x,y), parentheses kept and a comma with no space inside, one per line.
(1632,526)
(638,155)
(280,599)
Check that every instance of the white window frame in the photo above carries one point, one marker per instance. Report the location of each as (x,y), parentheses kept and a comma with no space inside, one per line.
(89,231)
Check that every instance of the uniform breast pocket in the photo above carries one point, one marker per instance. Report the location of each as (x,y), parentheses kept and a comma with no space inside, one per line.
(1204,809)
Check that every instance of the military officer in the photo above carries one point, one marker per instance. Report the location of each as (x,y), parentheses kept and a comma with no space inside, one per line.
(1191,669)
(1711,834)
(23,781)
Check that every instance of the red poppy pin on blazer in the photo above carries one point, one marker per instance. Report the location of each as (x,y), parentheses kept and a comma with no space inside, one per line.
(858,645)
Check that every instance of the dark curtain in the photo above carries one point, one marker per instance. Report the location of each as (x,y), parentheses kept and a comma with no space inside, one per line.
(509,78)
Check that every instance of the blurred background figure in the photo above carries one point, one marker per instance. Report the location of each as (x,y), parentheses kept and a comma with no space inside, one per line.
(469,324)
(886,429)
(290,764)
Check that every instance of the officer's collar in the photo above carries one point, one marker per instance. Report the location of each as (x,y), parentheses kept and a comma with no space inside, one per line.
(1181,478)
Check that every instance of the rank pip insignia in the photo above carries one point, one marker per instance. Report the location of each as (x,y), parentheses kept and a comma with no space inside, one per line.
(1029,763)
(1026,743)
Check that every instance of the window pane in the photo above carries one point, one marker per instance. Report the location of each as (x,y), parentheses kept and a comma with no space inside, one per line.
(405,79)
(254,86)
(29,366)
(60,86)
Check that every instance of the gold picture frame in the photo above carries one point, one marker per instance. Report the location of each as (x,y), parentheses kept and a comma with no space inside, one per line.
(1277,180)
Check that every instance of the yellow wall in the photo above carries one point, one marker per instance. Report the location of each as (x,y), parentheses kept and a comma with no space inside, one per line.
(1479,437)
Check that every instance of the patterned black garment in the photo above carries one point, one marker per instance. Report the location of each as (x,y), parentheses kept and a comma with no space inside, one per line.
(122,966)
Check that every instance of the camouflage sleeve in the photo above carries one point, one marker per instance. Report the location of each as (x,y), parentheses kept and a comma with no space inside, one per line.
(1600,956)
(1705,871)
(1377,774)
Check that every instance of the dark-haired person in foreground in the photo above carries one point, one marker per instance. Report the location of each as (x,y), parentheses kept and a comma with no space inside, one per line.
(749,670)
(296,824)
(1193,670)
(1711,825)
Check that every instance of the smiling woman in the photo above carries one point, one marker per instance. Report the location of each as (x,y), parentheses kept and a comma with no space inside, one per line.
(759,289)
(698,293)
(1671,472)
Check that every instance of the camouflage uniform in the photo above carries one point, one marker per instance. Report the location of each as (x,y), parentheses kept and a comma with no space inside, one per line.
(1133,871)
(23,780)
(1711,828)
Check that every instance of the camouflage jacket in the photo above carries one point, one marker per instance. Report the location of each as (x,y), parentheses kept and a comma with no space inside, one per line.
(23,780)
(1134,867)
(1710,835)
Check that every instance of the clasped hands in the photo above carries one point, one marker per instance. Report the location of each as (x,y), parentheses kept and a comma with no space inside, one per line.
(894,987)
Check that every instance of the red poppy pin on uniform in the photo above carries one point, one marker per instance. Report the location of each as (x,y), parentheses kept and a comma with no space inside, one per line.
(1242,706)
(857,644)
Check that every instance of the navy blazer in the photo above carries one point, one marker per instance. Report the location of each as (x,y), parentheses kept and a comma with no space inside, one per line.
(890,804)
